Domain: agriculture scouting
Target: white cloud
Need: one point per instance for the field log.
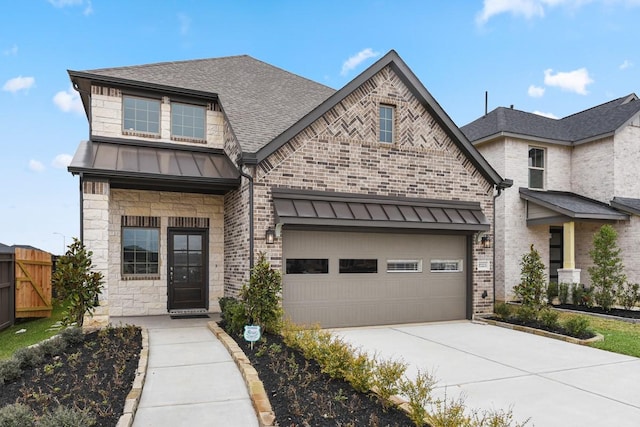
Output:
(571, 81)
(357, 59)
(549, 115)
(68, 101)
(185, 23)
(13, 50)
(526, 8)
(626, 64)
(88, 7)
(36, 166)
(18, 83)
(535, 91)
(88, 10)
(61, 161)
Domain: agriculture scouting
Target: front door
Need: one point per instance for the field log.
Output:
(187, 269)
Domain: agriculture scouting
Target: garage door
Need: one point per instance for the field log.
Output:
(354, 279)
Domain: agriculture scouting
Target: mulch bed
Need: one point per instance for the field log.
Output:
(96, 374)
(617, 312)
(301, 395)
(539, 325)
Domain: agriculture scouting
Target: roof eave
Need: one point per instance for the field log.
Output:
(504, 134)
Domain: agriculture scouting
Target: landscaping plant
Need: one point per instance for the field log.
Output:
(563, 293)
(607, 274)
(628, 295)
(261, 297)
(76, 284)
(531, 289)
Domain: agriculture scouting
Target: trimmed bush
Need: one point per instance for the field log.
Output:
(72, 336)
(234, 315)
(386, 379)
(53, 346)
(526, 314)
(549, 318)
(628, 295)
(503, 310)
(9, 370)
(531, 289)
(29, 357)
(577, 326)
(66, 417)
(262, 295)
(553, 291)
(16, 415)
(563, 293)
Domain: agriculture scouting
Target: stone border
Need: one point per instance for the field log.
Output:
(256, 390)
(133, 398)
(540, 332)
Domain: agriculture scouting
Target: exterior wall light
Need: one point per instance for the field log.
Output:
(486, 241)
(270, 236)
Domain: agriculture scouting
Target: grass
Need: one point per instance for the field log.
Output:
(37, 330)
(619, 337)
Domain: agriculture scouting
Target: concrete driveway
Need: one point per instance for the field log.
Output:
(552, 382)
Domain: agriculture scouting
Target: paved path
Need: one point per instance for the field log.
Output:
(191, 379)
(553, 382)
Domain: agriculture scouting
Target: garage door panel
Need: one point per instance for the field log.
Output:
(334, 299)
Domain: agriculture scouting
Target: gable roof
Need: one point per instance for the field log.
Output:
(393, 60)
(596, 122)
(261, 101)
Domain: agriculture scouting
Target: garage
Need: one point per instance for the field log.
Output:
(354, 279)
(351, 260)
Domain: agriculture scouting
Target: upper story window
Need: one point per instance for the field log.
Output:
(141, 115)
(386, 123)
(536, 167)
(187, 121)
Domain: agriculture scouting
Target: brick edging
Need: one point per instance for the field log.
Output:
(133, 398)
(540, 332)
(256, 390)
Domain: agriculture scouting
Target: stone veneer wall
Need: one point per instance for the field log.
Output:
(103, 209)
(340, 152)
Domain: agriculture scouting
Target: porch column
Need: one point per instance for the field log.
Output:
(569, 273)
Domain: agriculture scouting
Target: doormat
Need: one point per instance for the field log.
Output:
(189, 316)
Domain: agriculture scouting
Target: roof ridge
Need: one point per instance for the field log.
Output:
(163, 63)
(613, 101)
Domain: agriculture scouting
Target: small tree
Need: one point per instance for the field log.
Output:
(76, 285)
(531, 289)
(608, 271)
(262, 296)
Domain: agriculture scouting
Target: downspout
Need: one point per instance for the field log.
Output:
(504, 184)
(251, 244)
(81, 207)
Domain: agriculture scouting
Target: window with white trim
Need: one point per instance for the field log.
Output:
(387, 113)
(141, 115)
(404, 266)
(536, 167)
(446, 265)
(188, 121)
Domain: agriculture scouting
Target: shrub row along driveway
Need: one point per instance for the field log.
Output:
(553, 382)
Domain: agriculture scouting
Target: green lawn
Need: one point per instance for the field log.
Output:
(619, 337)
(36, 331)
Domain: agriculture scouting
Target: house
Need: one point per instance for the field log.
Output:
(573, 175)
(369, 199)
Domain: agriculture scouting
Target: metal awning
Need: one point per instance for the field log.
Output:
(626, 204)
(317, 208)
(548, 207)
(163, 167)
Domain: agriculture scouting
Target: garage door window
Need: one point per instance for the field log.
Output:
(404, 266)
(358, 266)
(307, 266)
(446, 265)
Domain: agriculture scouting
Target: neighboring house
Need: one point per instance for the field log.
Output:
(369, 199)
(574, 175)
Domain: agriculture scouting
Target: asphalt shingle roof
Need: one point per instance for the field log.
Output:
(599, 120)
(627, 204)
(260, 100)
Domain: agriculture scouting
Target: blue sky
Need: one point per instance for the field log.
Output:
(553, 57)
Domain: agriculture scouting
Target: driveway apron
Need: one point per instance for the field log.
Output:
(550, 381)
(191, 378)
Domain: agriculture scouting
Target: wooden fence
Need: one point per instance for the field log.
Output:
(33, 283)
(7, 290)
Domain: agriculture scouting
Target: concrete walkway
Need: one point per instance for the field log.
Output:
(191, 378)
(553, 382)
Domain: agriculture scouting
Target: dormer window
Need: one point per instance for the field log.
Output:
(141, 115)
(536, 168)
(187, 121)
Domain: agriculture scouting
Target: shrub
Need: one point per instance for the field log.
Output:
(9, 370)
(234, 315)
(526, 314)
(607, 273)
(563, 293)
(16, 415)
(419, 394)
(581, 295)
(448, 413)
(553, 291)
(262, 296)
(28, 357)
(495, 418)
(386, 379)
(577, 326)
(66, 417)
(531, 289)
(360, 372)
(76, 284)
(503, 310)
(549, 318)
(628, 295)
(53, 346)
(72, 336)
